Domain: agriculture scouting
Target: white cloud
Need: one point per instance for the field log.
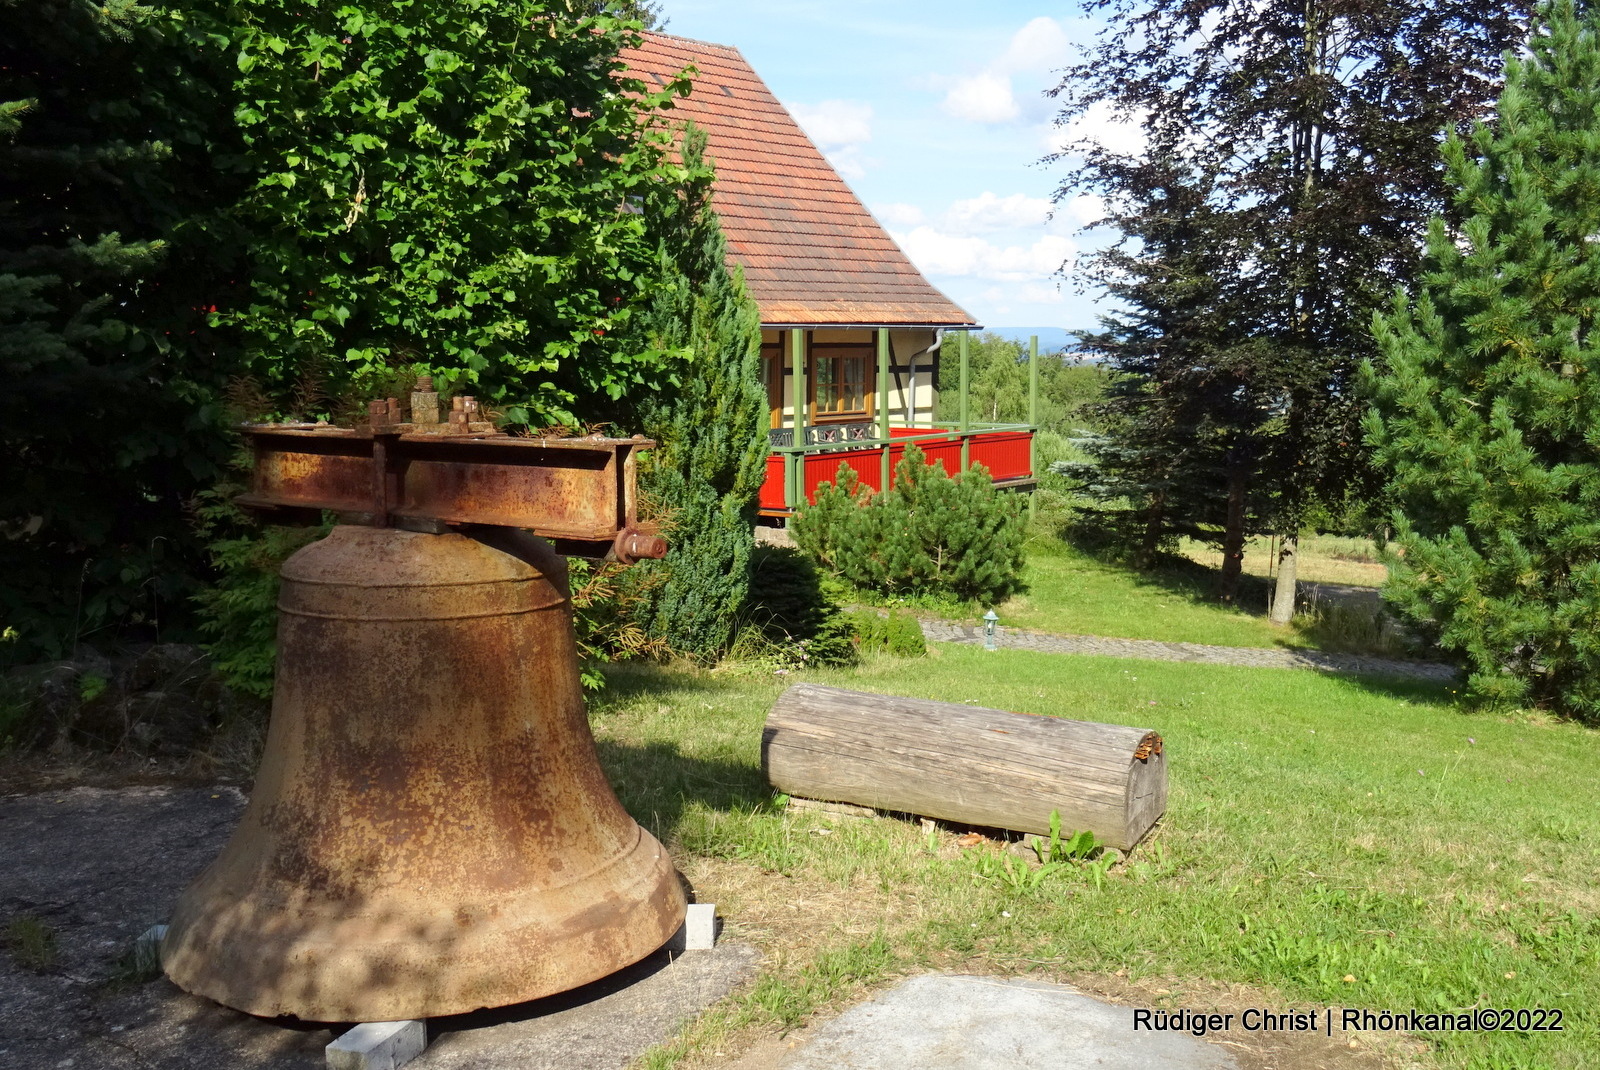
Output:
(987, 96)
(899, 215)
(984, 97)
(849, 161)
(1084, 209)
(1029, 293)
(1102, 125)
(834, 124)
(940, 253)
(839, 128)
(1041, 45)
(987, 212)
(1039, 293)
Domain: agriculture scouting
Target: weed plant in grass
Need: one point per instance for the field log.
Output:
(1328, 841)
(32, 943)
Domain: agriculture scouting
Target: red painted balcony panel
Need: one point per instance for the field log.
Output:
(1003, 453)
(771, 496)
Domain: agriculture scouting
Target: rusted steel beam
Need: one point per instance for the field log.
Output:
(577, 490)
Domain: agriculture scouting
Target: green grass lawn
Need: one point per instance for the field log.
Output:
(1328, 841)
(1072, 592)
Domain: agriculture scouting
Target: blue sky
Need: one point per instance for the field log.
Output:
(934, 112)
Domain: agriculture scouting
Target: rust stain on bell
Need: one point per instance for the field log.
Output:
(430, 830)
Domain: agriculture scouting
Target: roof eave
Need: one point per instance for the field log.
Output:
(897, 326)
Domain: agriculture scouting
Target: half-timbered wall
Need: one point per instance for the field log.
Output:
(842, 375)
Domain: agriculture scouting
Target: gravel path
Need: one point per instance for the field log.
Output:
(942, 631)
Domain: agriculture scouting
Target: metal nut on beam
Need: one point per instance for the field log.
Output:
(634, 546)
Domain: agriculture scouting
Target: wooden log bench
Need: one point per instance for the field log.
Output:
(965, 764)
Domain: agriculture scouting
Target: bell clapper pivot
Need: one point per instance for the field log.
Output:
(430, 831)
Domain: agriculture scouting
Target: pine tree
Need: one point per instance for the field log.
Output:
(1487, 416)
(929, 534)
(711, 450)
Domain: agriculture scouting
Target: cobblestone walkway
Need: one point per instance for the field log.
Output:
(943, 631)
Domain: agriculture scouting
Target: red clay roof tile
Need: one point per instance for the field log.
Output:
(812, 254)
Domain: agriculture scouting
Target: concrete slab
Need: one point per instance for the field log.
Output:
(603, 1026)
(944, 1022)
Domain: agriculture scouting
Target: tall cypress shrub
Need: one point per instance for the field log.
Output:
(1487, 418)
(711, 450)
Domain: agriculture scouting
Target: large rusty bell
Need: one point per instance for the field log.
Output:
(430, 831)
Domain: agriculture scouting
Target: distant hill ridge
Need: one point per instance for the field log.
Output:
(1051, 339)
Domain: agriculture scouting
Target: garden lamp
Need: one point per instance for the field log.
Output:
(989, 622)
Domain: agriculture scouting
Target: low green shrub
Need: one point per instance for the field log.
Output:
(905, 638)
(898, 633)
(789, 617)
(609, 606)
(930, 534)
(16, 720)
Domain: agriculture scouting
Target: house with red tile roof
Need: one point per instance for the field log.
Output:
(852, 333)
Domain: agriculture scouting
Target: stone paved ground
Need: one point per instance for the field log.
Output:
(1152, 650)
(99, 866)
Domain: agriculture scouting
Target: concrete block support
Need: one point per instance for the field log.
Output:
(378, 1046)
(699, 932)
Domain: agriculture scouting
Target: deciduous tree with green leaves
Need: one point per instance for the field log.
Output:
(1488, 415)
(1310, 128)
(477, 190)
(463, 188)
(997, 371)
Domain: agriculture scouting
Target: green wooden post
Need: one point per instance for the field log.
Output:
(1033, 423)
(788, 481)
(797, 354)
(966, 401)
(883, 406)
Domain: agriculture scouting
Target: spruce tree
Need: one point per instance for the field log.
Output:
(1488, 418)
(1186, 414)
(108, 421)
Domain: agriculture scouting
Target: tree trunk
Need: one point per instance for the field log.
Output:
(1152, 528)
(1233, 537)
(1283, 598)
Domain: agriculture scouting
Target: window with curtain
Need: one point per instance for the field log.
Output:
(842, 374)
